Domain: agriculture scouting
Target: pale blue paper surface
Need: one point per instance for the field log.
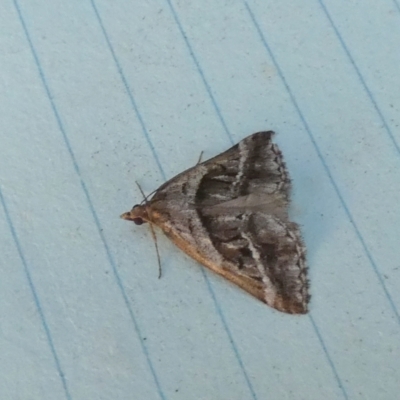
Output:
(95, 95)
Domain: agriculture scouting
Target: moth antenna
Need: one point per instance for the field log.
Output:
(200, 157)
(141, 191)
(153, 233)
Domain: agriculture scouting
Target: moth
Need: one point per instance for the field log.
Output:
(230, 213)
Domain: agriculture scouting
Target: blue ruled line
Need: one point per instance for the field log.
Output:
(90, 205)
(128, 90)
(262, 37)
(156, 157)
(397, 5)
(145, 132)
(35, 298)
(217, 109)
(328, 357)
(200, 71)
(327, 170)
(229, 334)
(360, 77)
(228, 133)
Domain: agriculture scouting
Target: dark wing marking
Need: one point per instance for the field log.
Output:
(253, 166)
(265, 250)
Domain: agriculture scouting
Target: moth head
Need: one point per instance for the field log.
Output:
(138, 214)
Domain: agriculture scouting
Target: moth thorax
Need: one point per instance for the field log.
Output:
(138, 214)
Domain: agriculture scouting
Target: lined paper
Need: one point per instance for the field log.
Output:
(96, 95)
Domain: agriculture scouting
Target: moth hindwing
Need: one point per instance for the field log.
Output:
(230, 213)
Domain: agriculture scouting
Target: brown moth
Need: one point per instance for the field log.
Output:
(230, 213)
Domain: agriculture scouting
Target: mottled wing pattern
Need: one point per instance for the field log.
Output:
(231, 214)
(257, 243)
(254, 165)
(266, 249)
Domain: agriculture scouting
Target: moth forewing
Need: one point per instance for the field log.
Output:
(230, 213)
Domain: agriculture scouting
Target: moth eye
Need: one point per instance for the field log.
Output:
(138, 221)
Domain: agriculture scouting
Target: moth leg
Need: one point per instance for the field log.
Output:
(153, 233)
